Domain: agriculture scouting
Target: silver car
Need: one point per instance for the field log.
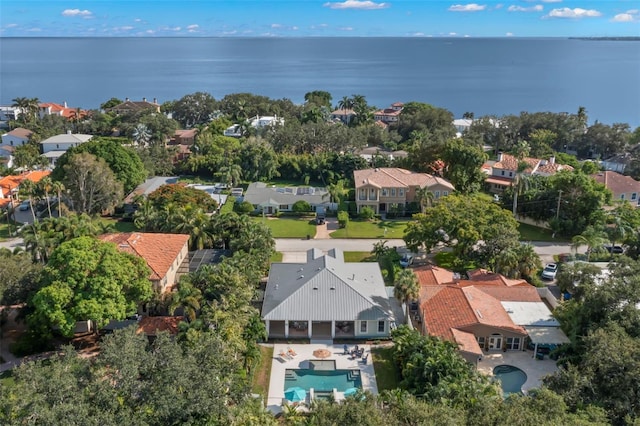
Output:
(549, 272)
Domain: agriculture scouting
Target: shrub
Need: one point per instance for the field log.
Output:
(343, 219)
(367, 213)
(244, 207)
(301, 206)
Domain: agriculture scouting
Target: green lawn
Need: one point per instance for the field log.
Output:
(358, 256)
(4, 229)
(276, 256)
(6, 379)
(534, 233)
(447, 260)
(262, 372)
(119, 225)
(366, 229)
(228, 206)
(289, 228)
(387, 374)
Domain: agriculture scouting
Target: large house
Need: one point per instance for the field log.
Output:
(55, 146)
(385, 188)
(624, 188)
(503, 172)
(10, 185)
(389, 115)
(130, 107)
(272, 199)
(258, 122)
(16, 137)
(326, 298)
(485, 312)
(62, 110)
(164, 254)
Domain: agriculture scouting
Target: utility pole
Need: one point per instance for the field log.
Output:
(558, 208)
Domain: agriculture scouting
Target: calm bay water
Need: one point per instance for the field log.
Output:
(485, 76)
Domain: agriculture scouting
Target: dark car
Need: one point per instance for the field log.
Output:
(614, 249)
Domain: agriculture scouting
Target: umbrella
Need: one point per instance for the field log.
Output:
(295, 394)
(350, 391)
(322, 353)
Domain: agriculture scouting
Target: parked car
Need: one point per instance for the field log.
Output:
(406, 260)
(24, 206)
(614, 249)
(549, 272)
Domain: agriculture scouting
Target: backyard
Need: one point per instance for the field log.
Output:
(387, 374)
(535, 233)
(289, 228)
(262, 372)
(372, 229)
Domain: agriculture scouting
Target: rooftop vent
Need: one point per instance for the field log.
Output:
(301, 276)
(478, 312)
(315, 286)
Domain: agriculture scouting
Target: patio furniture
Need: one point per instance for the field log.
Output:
(291, 352)
(285, 356)
(364, 358)
(346, 350)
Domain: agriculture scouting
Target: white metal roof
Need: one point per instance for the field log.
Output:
(530, 313)
(546, 335)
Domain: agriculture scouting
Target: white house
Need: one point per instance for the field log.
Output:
(16, 137)
(55, 146)
(8, 113)
(271, 199)
(258, 122)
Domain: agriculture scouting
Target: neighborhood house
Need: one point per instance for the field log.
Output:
(55, 146)
(503, 172)
(272, 199)
(326, 298)
(385, 189)
(623, 188)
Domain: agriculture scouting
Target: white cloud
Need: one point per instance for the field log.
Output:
(150, 32)
(319, 27)
(629, 16)
(232, 32)
(137, 20)
(453, 34)
(345, 28)
(11, 25)
(509, 34)
(498, 6)
(471, 7)
(276, 25)
(193, 27)
(77, 12)
(576, 13)
(548, 1)
(294, 28)
(357, 4)
(536, 8)
(34, 30)
(124, 28)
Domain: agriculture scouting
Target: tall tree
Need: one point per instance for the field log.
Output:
(592, 237)
(92, 186)
(406, 286)
(464, 165)
(28, 189)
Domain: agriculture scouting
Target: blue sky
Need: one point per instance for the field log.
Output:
(308, 18)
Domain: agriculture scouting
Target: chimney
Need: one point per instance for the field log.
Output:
(144, 99)
(126, 99)
(552, 160)
(65, 104)
(155, 100)
(500, 156)
(69, 132)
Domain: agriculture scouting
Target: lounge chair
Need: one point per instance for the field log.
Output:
(364, 358)
(346, 350)
(291, 352)
(285, 356)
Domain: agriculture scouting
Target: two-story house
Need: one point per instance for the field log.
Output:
(503, 172)
(388, 188)
(624, 188)
(389, 115)
(55, 146)
(130, 107)
(16, 137)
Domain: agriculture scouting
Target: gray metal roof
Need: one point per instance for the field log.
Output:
(259, 193)
(324, 289)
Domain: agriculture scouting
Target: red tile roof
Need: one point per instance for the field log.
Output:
(158, 250)
(509, 162)
(12, 182)
(433, 275)
(484, 277)
(393, 177)
(151, 326)
(466, 341)
(617, 183)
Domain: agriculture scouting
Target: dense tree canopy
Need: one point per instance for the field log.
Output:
(181, 195)
(86, 279)
(194, 109)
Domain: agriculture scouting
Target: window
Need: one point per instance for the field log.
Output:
(283, 207)
(445, 193)
(363, 326)
(401, 192)
(363, 194)
(393, 192)
(380, 326)
(634, 196)
(436, 194)
(502, 173)
(513, 343)
(480, 341)
(510, 174)
(622, 196)
(385, 192)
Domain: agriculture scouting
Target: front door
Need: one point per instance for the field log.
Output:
(495, 342)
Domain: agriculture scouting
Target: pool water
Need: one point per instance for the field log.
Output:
(511, 378)
(323, 380)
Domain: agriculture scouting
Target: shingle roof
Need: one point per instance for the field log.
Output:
(325, 288)
(617, 183)
(259, 193)
(158, 250)
(67, 138)
(393, 177)
(21, 133)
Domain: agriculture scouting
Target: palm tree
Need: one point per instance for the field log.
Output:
(345, 104)
(618, 224)
(27, 188)
(141, 134)
(406, 286)
(591, 237)
(23, 104)
(45, 186)
(336, 191)
(40, 240)
(425, 198)
(58, 187)
(188, 298)
(231, 174)
(145, 215)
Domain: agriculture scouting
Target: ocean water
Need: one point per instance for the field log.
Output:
(484, 76)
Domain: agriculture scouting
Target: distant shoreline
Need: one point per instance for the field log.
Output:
(606, 38)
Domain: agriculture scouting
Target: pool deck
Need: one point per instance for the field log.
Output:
(301, 361)
(534, 368)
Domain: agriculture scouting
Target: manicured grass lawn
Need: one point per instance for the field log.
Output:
(447, 260)
(262, 372)
(6, 379)
(534, 233)
(387, 375)
(119, 225)
(4, 229)
(358, 256)
(366, 229)
(289, 228)
(276, 256)
(228, 206)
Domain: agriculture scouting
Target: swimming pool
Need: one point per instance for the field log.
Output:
(511, 378)
(323, 380)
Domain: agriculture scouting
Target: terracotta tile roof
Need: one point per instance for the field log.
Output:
(433, 275)
(186, 133)
(343, 112)
(389, 112)
(151, 326)
(466, 341)
(62, 110)
(617, 183)
(393, 177)
(484, 277)
(509, 162)
(397, 104)
(447, 308)
(158, 250)
(12, 182)
(21, 133)
(526, 293)
(550, 168)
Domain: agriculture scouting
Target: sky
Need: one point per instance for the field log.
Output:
(309, 18)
